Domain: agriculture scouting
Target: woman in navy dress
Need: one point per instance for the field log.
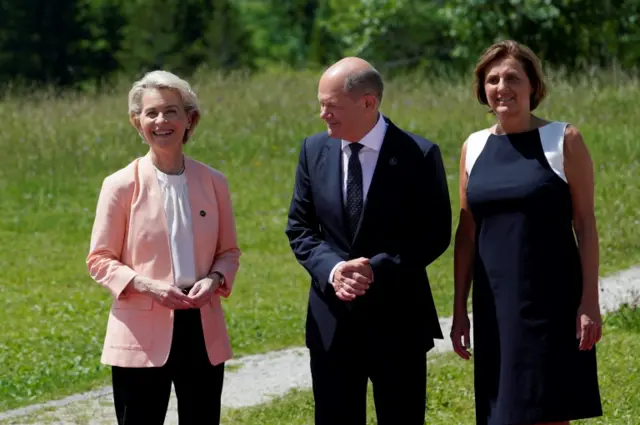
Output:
(527, 239)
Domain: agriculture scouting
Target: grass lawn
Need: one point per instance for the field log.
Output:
(450, 386)
(56, 153)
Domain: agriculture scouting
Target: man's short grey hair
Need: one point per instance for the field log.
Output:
(162, 80)
(368, 81)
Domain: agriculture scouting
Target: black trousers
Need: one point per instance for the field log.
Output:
(141, 395)
(340, 378)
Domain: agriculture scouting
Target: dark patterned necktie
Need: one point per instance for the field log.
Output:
(354, 188)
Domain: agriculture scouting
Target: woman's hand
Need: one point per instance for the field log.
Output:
(201, 293)
(163, 293)
(589, 325)
(461, 335)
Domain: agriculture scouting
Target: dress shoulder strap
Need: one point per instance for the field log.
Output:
(552, 140)
(475, 144)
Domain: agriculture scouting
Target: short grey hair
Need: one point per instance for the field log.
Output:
(162, 80)
(368, 81)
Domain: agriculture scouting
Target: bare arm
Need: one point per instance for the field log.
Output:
(463, 258)
(464, 247)
(580, 177)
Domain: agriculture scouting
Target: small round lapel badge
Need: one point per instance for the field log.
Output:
(393, 161)
(202, 213)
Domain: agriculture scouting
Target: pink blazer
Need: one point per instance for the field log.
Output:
(130, 237)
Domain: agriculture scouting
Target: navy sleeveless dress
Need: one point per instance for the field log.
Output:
(527, 283)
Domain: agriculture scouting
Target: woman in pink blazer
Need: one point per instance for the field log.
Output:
(164, 244)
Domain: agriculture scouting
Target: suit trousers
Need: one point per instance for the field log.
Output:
(341, 375)
(141, 395)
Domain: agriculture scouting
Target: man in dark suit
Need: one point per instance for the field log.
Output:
(370, 211)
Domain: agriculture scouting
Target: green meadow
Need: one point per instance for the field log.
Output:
(450, 386)
(57, 151)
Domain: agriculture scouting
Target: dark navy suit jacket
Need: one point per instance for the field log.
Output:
(405, 226)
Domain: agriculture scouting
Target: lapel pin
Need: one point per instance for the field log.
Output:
(202, 213)
(393, 161)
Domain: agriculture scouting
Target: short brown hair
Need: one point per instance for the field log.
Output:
(367, 81)
(522, 54)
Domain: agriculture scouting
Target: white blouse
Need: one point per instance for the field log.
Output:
(178, 212)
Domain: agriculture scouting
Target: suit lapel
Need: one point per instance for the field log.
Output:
(331, 175)
(199, 209)
(154, 209)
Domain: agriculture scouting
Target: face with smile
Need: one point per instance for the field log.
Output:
(342, 112)
(348, 115)
(163, 121)
(508, 88)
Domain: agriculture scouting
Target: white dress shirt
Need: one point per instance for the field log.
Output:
(368, 156)
(178, 212)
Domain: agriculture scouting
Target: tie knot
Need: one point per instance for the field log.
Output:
(355, 147)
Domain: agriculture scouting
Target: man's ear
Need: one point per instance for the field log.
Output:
(370, 101)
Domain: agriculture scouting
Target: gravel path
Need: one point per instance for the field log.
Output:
(256, 379)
